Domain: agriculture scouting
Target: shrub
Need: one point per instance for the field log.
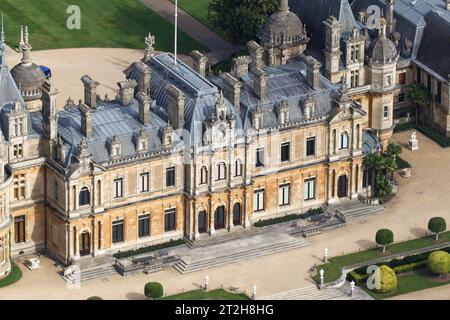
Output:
(358, 278)
(154, 290)
(388, 280)
(410, 267)
(402, 164)
(436, 225)
(384, 237)
(94, 298)
(130, 253)
(431, 133)
(268, 222)
(439, 262)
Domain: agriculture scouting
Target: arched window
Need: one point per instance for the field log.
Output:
(238, 168)
(221, 171)
(85, 196)
(203, 175)
(344, 140)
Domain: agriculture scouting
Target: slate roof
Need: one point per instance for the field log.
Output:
(8, 89)
(109, 119)
(285, 83)
(314, 12)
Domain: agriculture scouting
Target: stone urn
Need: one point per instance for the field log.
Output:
(405, 173)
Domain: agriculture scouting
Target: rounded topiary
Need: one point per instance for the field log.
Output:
(153, 290)
(384, 237)
(437, 225)
(94, 298)
(438, 262)
(388, 280)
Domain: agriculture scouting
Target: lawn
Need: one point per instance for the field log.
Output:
(332, 269)
(107, 24)
(218, 294)
(197, 8)
(410, 282)
(13, 277)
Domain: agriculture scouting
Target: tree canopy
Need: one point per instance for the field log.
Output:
(384, 237)
(241, 20)
(436, 225)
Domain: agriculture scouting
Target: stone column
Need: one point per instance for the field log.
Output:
(229, 222)
(70, 243)
(195, 214)
(93, 236)
(246, 210)
(212, 230)
(100, 232)
(329, 184)
(76, 242)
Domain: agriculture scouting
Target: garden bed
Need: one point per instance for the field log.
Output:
(218, 294)
(12, 277)
(165, 245)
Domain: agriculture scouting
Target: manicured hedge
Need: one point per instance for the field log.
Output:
(311, 212)
(268, 222)
(434, 135)
(130, 253)
(404, 127)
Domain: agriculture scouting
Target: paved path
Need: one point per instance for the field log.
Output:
(220, 48)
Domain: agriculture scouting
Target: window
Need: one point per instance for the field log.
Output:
(203, 175)
(344, 140)
(438, 98)
(19, 229)
(386, 112)
(117, 231)
(402, 78)
(419, 76)
(258, 201)
(18, 151)
(428, 81)
(310, 189)
(238, 168)
(144, 225)
(260, 157)
(18, 127)
(118, 188)
(145, 178)
(56, 190)
(169, 220)
(354, 78)
(221, 171)
(310, 146)
(401, 98)
(2, 250)
(285, 151)
(84, 198)
(170, 177)
(19, 187)
(388, 80)
(283, 196)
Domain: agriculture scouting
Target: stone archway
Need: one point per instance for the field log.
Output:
(342, 186)
(219, 218)
(237, 214)
(85, 243)
(202, 221)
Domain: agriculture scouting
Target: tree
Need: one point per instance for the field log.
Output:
(437, 225)
(241, 20)
(438, 262)
(384, 237)
(388, 280)
(394, 150)
(94, 298)
(421, 96)
(153, 290)
(381, 165)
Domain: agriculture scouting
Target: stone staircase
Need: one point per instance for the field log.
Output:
(354, 209)
(309, 293)
(92, 268)
(222, 236)
(187, 266)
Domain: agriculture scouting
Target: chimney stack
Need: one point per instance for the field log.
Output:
(90, 91)
(256, 53)
(313, 72)
(240, 66)
(126, 91)
(144, 107)
(86, 120)
(143, 78)
(175, 106)
(232, 90)
(447, 4)
(390, 17)
(260, 84)
(199, 62)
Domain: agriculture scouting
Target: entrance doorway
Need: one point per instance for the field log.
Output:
(85, 244)
(342, 186)
(202, 228)
(237, 214)
(219, 218)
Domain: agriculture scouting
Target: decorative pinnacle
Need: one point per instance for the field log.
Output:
(2, 35)
(284, 5)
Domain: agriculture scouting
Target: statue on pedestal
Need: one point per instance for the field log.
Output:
(413, 142)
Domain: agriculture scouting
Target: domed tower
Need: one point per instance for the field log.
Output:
(28, 76)
(382, 68)
(5, 217)
(283, 36)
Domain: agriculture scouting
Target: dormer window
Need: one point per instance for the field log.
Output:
(283, 113)
(142, 144)
(18, 127)
(116, 147)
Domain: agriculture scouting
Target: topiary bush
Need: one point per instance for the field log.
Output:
(388, 280)
(153, 290)
(95, 298)
(438, 263)
(384, 237)
(437, 225)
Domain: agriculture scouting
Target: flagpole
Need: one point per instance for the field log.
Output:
(176, 30)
